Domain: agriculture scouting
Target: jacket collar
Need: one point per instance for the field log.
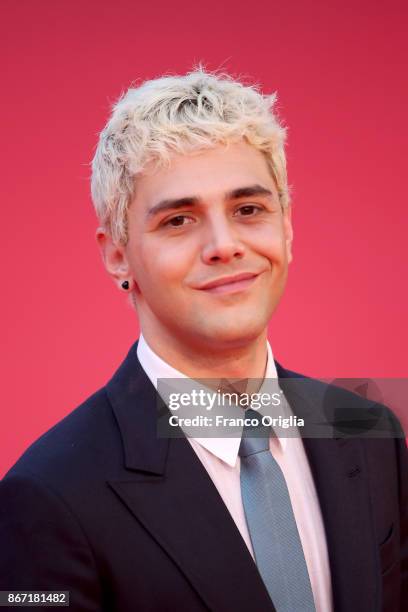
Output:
(135, 403)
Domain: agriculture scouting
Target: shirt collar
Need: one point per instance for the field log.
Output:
(155, 367)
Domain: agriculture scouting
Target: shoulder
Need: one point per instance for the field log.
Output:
(357, 416)
(74, 447)
(345, 400)
(86, 446)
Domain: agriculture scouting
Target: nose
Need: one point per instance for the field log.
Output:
(222, 243)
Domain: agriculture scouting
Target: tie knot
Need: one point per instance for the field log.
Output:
(255, 437)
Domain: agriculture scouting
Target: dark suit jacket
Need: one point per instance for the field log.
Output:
(127, 521)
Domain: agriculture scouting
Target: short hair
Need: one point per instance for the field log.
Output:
(179, 114)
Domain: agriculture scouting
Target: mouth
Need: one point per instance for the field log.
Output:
(231, 284)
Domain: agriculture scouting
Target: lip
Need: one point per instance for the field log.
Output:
(230, 284)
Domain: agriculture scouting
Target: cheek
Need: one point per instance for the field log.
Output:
(164, 265)
(270, 245)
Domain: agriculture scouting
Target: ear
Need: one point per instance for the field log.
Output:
(114, 258)
(288, 230)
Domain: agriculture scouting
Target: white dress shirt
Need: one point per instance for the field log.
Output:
(220, 458)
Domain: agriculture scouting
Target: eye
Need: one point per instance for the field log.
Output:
(249, 210)
(177, 221)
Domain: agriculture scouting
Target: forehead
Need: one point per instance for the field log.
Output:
(206, 174)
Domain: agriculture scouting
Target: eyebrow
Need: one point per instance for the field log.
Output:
(192, 201)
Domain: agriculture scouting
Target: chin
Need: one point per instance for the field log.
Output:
(234, 333)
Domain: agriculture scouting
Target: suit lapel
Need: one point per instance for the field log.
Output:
(341, 480)
(170, 493)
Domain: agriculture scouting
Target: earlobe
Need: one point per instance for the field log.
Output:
(114, 258)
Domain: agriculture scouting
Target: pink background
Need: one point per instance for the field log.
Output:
(340, 70)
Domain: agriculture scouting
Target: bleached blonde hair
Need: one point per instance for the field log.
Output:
(179, 114)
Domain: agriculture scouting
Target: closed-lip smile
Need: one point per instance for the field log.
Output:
(229, 280)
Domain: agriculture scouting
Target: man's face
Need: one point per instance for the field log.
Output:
(209, 218)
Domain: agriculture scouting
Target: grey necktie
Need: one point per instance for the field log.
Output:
(271, 523)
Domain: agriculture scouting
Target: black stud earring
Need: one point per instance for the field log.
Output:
(125, 285)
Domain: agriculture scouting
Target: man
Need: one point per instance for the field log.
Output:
(190, 187)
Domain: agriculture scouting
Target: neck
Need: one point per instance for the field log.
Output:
(244, 359)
